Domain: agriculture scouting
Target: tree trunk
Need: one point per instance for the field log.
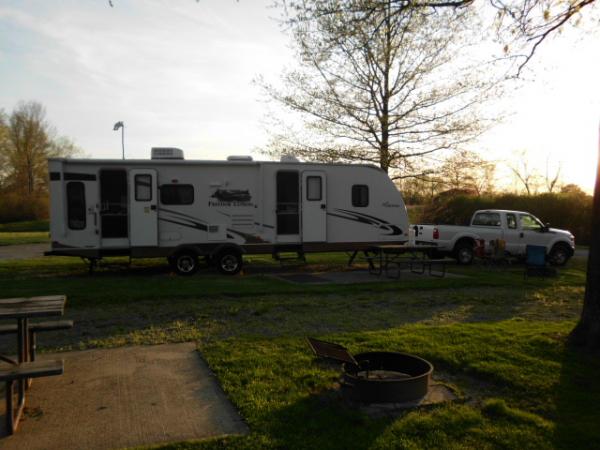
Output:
(587, 332)
(384, 152)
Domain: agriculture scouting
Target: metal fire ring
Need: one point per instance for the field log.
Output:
(405, 377)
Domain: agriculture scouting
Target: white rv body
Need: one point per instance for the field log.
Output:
(157, 207)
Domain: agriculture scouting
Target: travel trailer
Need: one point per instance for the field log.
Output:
(220, 210)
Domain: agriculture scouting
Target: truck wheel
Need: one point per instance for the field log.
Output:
(559, 255)
(464, 253)
(228, 261)
(184, 263)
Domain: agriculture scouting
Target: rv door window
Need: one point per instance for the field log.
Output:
(76, 205)
(177, 194)
(143, 188)
(360, 195)
(313, 188)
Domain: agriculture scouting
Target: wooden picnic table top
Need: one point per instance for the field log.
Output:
(25, 307)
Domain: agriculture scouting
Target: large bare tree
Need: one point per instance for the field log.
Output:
(523, 25)
(388, 87)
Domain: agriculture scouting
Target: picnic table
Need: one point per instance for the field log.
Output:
(382, 258)
(22, 309)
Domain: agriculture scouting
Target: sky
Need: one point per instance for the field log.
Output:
(180, 74)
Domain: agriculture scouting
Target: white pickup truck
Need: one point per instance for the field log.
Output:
(516, 228)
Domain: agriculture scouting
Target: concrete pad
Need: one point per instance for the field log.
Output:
(125, 397)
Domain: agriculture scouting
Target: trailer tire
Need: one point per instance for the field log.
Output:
(228, 261)
(464, 253)
(184, 262)
(559, 255)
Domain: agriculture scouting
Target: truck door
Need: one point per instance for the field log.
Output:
(532, 231)
(143, 213)
(513, 235)
(314, 207)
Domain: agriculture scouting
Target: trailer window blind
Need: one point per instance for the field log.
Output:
(313, 188)
(177, 194)
(76, 205)
(360, 195)
(143, 188)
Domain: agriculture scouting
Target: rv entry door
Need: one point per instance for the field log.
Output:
(314, 207)
(143, 212)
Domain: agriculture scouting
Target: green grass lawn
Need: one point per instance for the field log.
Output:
(23, 237)
(31, 232)
(496, 338)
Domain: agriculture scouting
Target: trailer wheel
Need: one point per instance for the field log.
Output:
(464, 253)
(184, 263)
(228, 261)
(559, 255)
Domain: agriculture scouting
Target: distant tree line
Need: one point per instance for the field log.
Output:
(27, 140)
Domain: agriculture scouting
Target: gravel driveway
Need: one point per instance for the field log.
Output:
(25, 251)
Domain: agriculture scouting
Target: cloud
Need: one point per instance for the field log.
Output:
(177, 72)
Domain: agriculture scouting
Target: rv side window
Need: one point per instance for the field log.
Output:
(143, 188)
(177, 194)
(313, 188)
(76, 205)
(360, 195)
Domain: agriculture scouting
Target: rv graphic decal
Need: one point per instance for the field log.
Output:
(182, 219)
(367, 219)
(248, 238)
(185, 220)
(231, 197)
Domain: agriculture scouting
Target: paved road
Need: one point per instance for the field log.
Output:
(581, 252)
(25, 251)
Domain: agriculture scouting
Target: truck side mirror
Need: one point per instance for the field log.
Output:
(546, 227)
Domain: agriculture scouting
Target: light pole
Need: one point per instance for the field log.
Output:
(121, 125)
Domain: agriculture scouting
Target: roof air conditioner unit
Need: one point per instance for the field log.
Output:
(167, 153)
(239, 158)
(289, 159)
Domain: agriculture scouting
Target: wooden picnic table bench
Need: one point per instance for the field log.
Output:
(25, 368)
(382, 257)
(20, 372)
(418, 266)
(33, 329)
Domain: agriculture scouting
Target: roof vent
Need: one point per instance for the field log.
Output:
(167, 153)
(289, 159)
(239, 158)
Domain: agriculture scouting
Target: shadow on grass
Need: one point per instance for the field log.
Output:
(321, 421)
(577, 399)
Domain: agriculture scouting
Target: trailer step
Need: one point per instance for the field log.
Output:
(289, 257)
